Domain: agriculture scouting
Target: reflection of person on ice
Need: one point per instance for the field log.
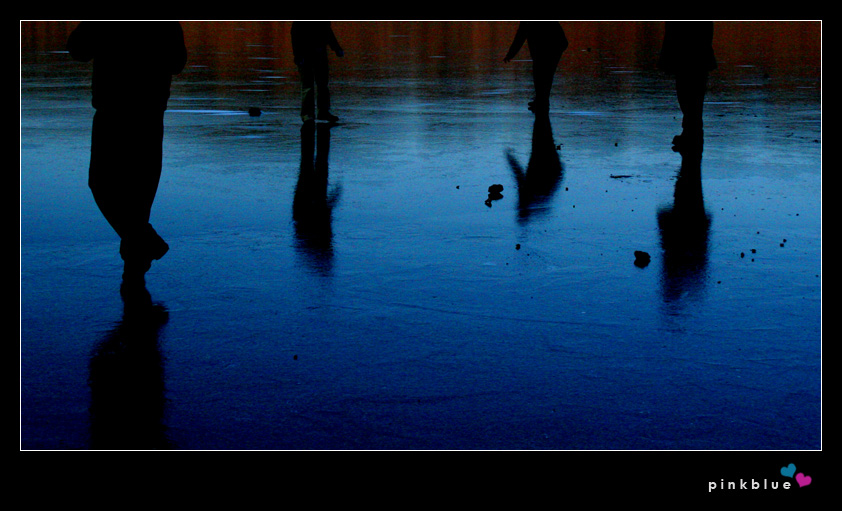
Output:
(133, 65)
(546, 41)
(687, 53)
(310, 40)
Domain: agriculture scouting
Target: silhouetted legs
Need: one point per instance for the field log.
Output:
(315, 94)
(543, 73)
(124, 173)
(691, 88)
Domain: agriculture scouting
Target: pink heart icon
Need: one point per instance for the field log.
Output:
(803, 480)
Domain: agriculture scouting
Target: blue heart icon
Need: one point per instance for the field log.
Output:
(788, 471)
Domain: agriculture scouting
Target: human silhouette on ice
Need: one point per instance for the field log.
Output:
(687, 53)
(310, 40)
(546, 41)
(133, 65)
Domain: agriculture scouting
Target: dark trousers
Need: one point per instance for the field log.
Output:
(690, 87)
(315, 95)
(543, 74)
(126, 155)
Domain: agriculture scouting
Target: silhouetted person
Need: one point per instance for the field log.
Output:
(546, 41)
(687, 53)
(133, 65)
(543, 174)
(684, 228)
(310, 40)
(312, 203)
(126, 380)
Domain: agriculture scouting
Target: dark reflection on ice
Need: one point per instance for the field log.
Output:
(313, 203)
(126, 379)
(684, 228)
(544, 172)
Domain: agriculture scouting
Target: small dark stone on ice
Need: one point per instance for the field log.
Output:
(494, 194)
(517, 247)
(641, 259)
(254, 111)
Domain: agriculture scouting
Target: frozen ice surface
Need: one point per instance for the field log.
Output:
(430, 319)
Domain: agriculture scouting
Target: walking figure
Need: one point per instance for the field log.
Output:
(546, 41)
(133, 65)
(687, 53)
(310, 40)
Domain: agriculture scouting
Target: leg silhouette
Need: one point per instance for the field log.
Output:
(546, 41)
(688, 54)
(124, 173)
(310, 40)
(133, 65)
